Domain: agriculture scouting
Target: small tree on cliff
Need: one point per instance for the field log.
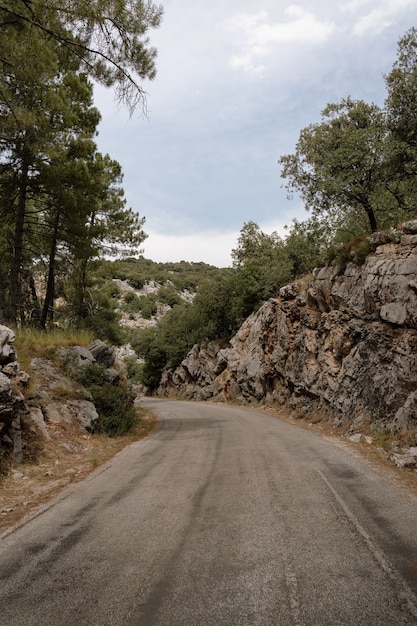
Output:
(340, 164)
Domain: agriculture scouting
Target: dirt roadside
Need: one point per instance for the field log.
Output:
(67, 457)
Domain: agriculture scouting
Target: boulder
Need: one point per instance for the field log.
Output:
(102, 353)
(111, 375)
(403, 460)
(7, 350)
(78, 356)
(12, 402)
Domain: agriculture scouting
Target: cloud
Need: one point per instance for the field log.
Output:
(259, 38)
(205, 161)
(374, 21)
(210, 247)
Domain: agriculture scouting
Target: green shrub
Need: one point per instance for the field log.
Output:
(168, 295)
(134, 369)
(136, 282)
(131, 302)
(117, 415)
(114, 403)
(148, 306)
(355, 250)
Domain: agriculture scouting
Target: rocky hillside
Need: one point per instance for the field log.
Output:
(343, 342)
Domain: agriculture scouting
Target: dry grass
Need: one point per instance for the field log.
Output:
(31, 342)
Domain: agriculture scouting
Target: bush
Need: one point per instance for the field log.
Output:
(168, 295)
(148, 306)
(114, 404)
(355, 250)
(136, 283)
(132, 303)
(134, 369)
(115, 408)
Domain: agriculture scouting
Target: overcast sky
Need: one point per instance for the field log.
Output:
(237, 80)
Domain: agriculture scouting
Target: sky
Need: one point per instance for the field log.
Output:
(236, 83)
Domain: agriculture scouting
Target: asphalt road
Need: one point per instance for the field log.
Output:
(223, 516)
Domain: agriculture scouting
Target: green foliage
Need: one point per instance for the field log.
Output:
(263, 266)
(107, 39)
(131, 302)
(99, 315)
(168, 295)
(61, 201)
(148, 306)
(360, 160)
(115, 408)
(154, 365)
(340, 163)
(306, 245)
(137, 271)
(134, 369)
(401, 106)
(88, 375)
(355, 250)
(114, 403)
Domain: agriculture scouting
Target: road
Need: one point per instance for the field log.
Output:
(223, 516)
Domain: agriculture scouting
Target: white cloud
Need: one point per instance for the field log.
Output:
(210, 247)
(258, 38)
(354, 5)
(374, 21)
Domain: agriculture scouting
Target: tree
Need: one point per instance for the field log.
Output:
(106, 38)
(341, 163)
(27, 99)
(262, 266)
(401, 106)
(105, 227)
(306, 244)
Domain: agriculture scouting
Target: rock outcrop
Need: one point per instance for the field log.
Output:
(12, 405)
(55, 395)
(343, 340)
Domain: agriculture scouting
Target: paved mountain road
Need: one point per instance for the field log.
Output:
(223, 516)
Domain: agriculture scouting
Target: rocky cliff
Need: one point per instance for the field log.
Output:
(54, 396)
(343, 341)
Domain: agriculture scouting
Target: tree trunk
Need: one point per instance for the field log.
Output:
(16, 262)
(50, 285)
(3, 315)
(82, 308)
(371, 216)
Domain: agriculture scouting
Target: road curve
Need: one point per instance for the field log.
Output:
(223, 516)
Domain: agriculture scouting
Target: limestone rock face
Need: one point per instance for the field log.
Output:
(59, 398)
(102, 353)
(12, 405)
(345, 340)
